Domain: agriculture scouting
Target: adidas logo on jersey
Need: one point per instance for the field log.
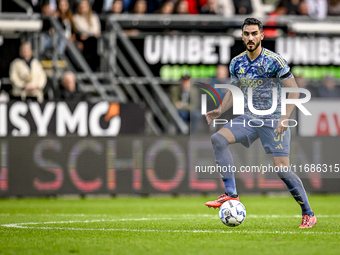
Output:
(279, 146)
(241, 71)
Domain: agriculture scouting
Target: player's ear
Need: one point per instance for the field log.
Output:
(262, 36)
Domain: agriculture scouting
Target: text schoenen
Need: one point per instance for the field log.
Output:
(308, 221)
(220, 200)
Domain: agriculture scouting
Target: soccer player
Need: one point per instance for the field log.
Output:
(262, 70)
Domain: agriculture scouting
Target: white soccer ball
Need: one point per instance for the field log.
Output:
(232, 213)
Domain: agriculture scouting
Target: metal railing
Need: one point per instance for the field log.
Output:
(87, 71)
(304, 24)
(161, 106)
(26, 6)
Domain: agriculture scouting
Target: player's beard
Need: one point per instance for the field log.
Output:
(255, 46)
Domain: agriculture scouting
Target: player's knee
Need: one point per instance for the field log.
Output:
(281, 161)
(281, 165)
(219, 141)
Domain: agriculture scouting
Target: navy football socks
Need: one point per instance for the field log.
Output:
(224, 159)
(295, 187)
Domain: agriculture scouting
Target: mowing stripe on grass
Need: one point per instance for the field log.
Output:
(177, 231)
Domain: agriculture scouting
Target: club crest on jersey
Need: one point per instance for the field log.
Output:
(260, 70)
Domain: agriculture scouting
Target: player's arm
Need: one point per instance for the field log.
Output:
(288, 83)
(227, 103)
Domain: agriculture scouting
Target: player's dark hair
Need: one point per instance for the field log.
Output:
(252, 21)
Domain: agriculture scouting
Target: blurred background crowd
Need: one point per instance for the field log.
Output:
(66, 9)
(82, 24)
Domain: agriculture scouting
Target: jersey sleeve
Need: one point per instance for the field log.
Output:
(233, 78)
(282, 68)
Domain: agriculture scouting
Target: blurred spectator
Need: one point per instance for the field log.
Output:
(154, 5)
(317, 9)
(334, 7)
(186, 101)
(243, 6)
(226, 7)
(303, 8)
(104, 6)
(292, 6)
(182, 7)
(107, 5)
(27, 76)
(86, 22)
(47, 32)
(52, 3)
(117, 7)
(328, 88)
(221, 77)
(222, 74)
(221, 7)
(302, 83)
(260, 9)
(168, 7)
(280, 10)
(87, 26)
(210, 7)
(65, 16)
(289, 7)
(194, 6)
(139, 7)
(68, 89)
(126, 4)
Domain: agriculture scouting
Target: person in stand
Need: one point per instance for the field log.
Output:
(88, 30)
(328, 89)
(68, 89)
(27, 76)
(185, 100)
(65, 17)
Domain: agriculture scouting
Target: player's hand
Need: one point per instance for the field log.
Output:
(280, 128)
(210, 116)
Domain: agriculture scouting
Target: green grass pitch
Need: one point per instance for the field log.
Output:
(165, 225)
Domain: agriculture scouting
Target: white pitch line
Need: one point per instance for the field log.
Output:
(152, 217)
(26, 226)
(181, 231)
(14, 225)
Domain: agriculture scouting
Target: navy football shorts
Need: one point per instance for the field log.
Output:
(246, 130)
